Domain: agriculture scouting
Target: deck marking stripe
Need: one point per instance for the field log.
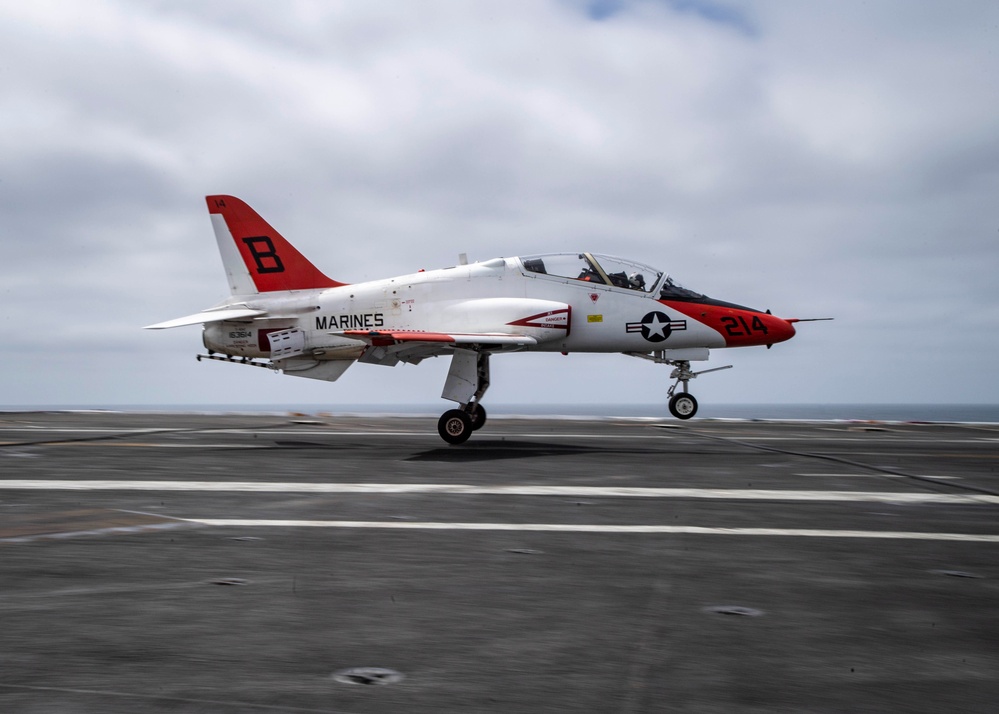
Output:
(234, 704)
(580, 528)
(835, 475)
(519, 490)
(331, 431)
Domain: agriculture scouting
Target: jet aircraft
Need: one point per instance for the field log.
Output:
(284, 314)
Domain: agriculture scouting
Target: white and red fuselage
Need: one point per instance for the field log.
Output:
(285, 314)
(485, 301)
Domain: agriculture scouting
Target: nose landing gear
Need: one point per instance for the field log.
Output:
(682, 404)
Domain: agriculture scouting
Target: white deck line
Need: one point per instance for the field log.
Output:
(579, 528)
(514, 490)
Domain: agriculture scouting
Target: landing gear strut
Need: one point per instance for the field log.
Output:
(467, 381)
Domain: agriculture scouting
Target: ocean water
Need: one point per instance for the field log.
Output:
(809, 412)
(974, 413)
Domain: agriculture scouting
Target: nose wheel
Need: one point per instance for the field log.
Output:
(682, 405)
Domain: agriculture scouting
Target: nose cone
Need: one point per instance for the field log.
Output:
(779, 329)
(738, 325)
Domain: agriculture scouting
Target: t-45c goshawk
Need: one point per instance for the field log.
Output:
(283, 313)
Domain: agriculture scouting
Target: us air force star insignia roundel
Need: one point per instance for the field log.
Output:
(656, 326)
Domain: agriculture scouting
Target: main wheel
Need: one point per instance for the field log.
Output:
(683, 405)
(455, 426)
(477, 413)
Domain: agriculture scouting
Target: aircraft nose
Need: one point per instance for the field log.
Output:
(779, 329)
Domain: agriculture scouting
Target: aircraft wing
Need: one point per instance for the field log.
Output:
(389, 347)
(528, 320)
(206, 316)
(387, 338)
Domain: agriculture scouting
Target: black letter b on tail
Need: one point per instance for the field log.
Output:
(264, 255)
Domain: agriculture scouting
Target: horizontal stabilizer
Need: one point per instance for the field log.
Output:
(207, 316)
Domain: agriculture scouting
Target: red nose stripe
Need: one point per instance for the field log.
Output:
(740, 328)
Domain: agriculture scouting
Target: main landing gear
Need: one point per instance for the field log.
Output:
(467, 381)
(456, 425)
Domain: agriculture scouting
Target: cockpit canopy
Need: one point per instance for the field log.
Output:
(601, 269)
(608, 270)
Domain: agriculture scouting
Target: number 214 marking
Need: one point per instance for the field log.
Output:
(739, 327)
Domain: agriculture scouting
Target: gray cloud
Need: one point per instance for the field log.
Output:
(819, 159)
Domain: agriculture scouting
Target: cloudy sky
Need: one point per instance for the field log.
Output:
(818, 159)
